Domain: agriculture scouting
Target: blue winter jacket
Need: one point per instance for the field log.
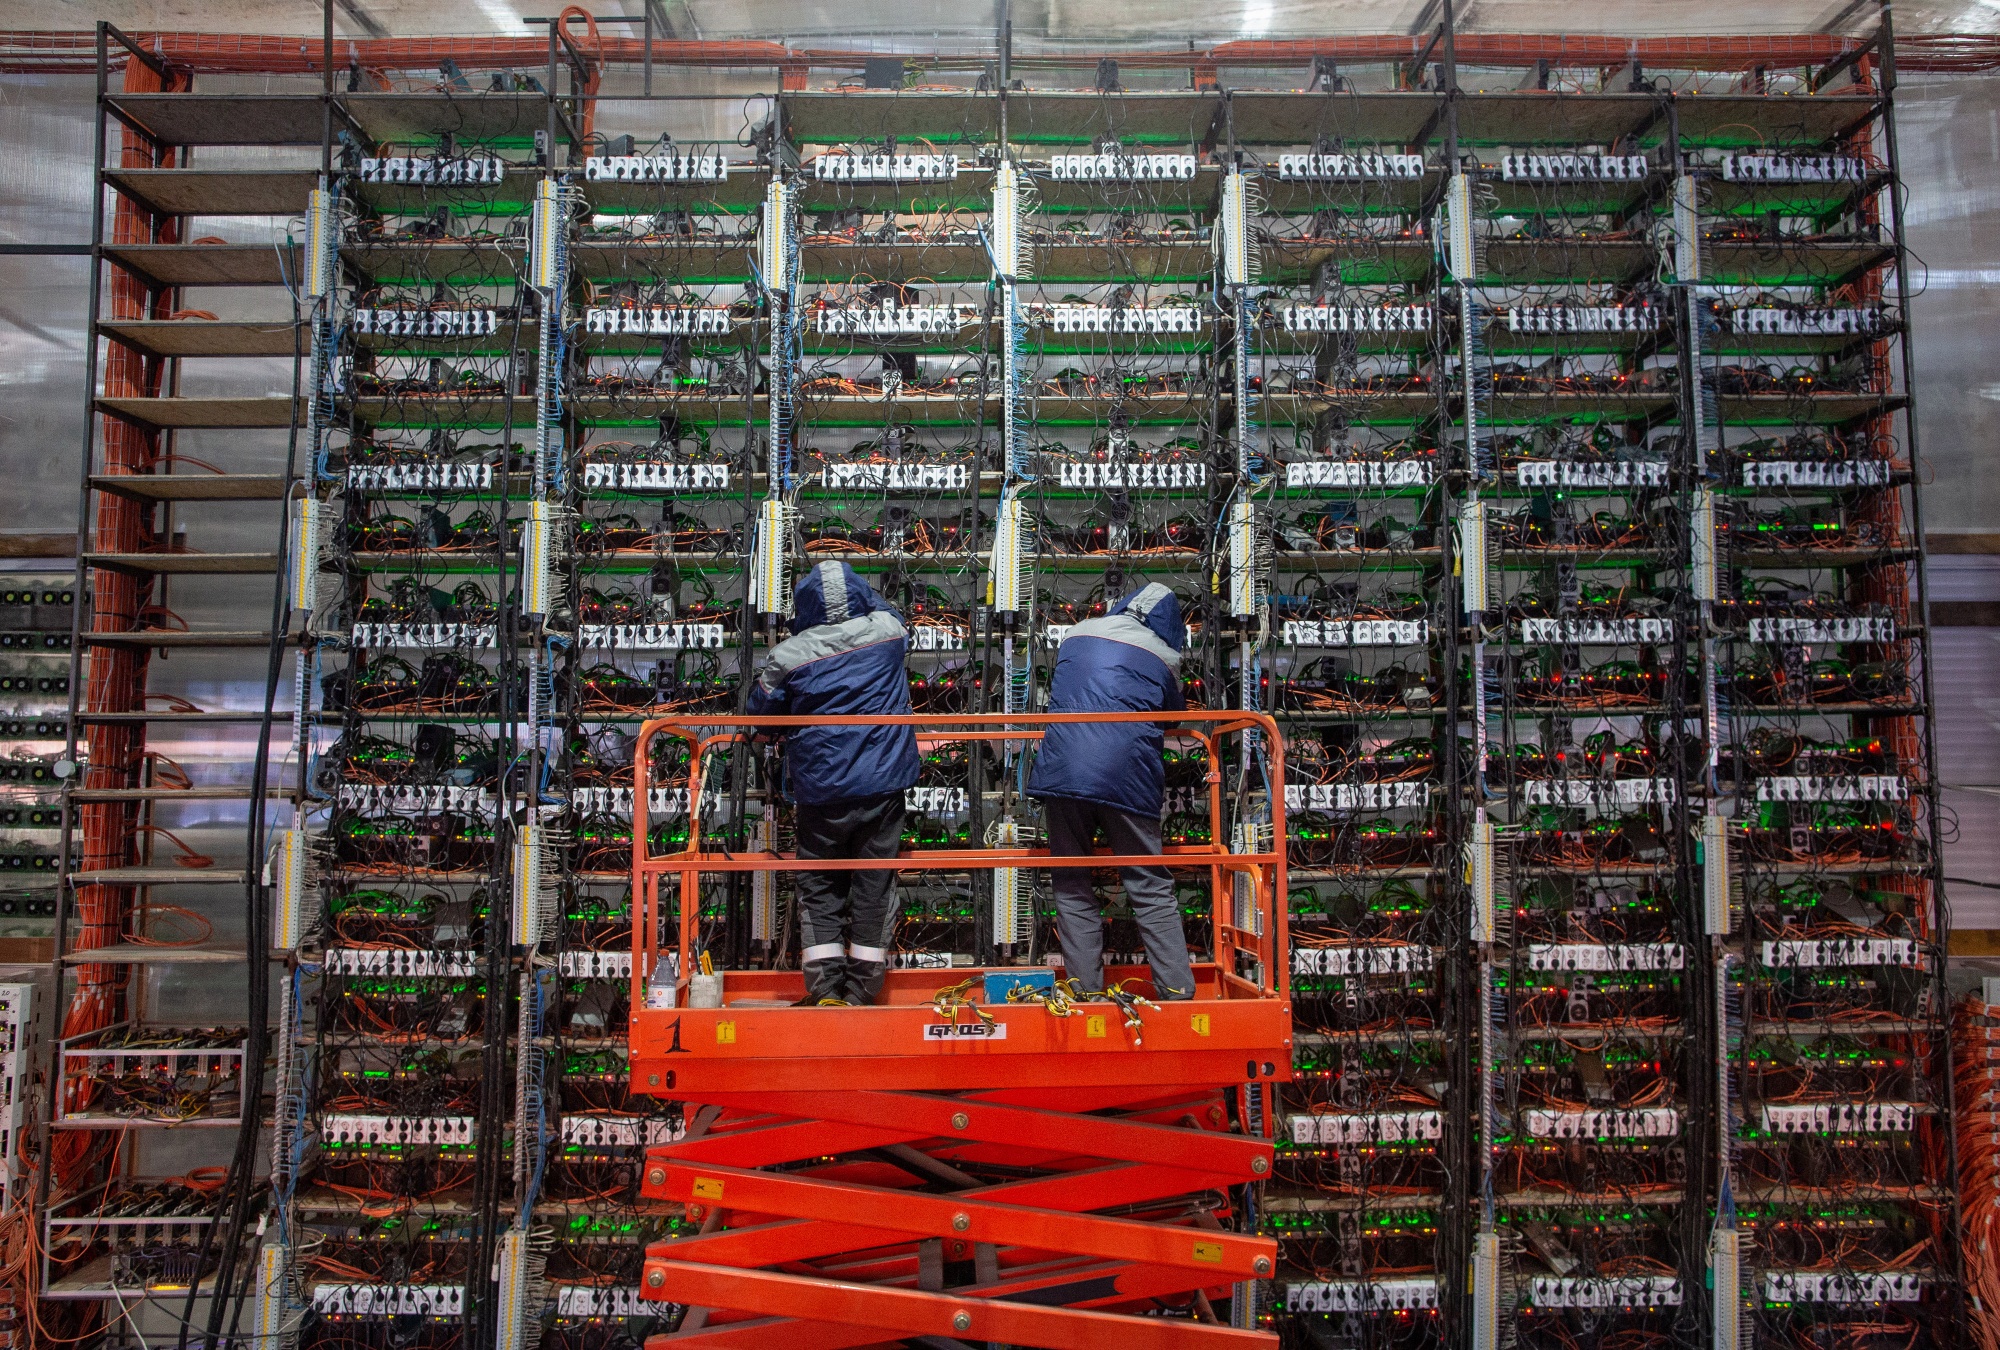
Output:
(1127, 661)
(843, 659)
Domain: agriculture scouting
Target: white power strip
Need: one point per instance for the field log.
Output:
(1115, 319)
(1811, 952)
(657, 476)
(659, 321)
(424, 636)
(1334, 1296)
(478, 171)
(1651, 1122)
(1840, 1118)
(1841, 1286)
(1860, 628)
(1121, 168)
(655, 168)
(1633, 632)
(595, 965)
(1133, 474)
(594, 1131)
(1356, 318)
(892, 320)
(1640, 318)
(1360, 473)
(1337, 167)
(937, 801)
(1573, 168)
(1356, 632)
(652, 637)
(896, 477)
(1367, 1127)
(426, 322)
(1400, 958)
(1356, 796)
(1606, 956)
(1862, 787)
(377, 799)
(598, 1301)
(618, 801)
(884, 168)
(419, 477)
(1842, 473)
(1794, 169)
(1837, 322)
(1562, 473)
(389, 1300)
(344, 1128)
(1617, 1291)
(400, 961)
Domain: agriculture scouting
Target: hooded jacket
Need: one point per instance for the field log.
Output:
(1127, 661)
(844, 659)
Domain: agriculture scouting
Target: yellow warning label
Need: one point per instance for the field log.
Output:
(1094, 1027)
(710, 1188)
(725, 1033)
(1199, 1021)
(1203, 1251)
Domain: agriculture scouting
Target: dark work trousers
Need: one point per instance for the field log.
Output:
(847, 920)
(1072, 824)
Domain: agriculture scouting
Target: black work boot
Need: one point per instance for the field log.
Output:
(825, 979)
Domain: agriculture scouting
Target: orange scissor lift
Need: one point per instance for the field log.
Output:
(866, 1177)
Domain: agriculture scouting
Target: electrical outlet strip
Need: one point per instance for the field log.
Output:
(1121, 167)
(1334, 168)
(1835, 322)
(476, 171)
(937, 801)
(580, 1301)
(1356, 318)
(937, 637)
(1399, 958)
(1573, 168)
(1865, 787)
(652, 637)
(1651, 1122)
(1841, 1286)
(617, 801)
(1839, 1118)
(344, 1128)
(1368, 1127)
(595, 965)
(1566, 473)
(1346, 1296)
(1614, 795)
(595, 1131)
(896, 477)
(657, 476)
(1643, 317)
(893, 320)
(412, 322)
(1603, 632)
(884, 168)
(1804, 632)
(1606, 956)
(1811, 952)
(389, 1300)
(1356, 632)
(419, 477)
(655, 168)
(1185, 319)
(423, 636)
(1356, 796)
(400, 961)
(1794, 169)
(379, 799)
(1786, 473)
(1622, 1291)
(1133, 475)
(1360, 473)
(660, 321)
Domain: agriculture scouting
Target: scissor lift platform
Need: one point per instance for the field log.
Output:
(928, 1172)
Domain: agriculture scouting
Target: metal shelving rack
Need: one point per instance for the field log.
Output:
(1395, 443)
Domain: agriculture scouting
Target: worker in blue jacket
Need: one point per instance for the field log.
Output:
(1109, 778)
(844, 659)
